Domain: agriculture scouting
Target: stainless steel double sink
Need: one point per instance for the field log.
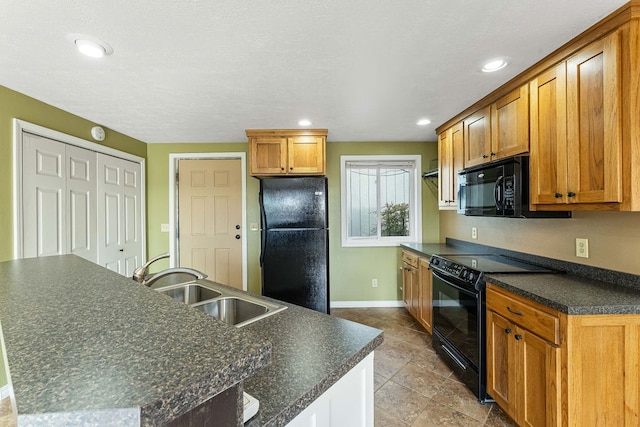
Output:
(232, 307)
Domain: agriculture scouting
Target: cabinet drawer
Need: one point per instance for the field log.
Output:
(410, 259)
(524, 313)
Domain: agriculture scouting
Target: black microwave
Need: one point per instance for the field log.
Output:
(499, 189)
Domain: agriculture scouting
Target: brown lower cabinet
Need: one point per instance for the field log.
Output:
(426, 290)
(416, 287)
(523, 369)
(410, 290)
(546, 368)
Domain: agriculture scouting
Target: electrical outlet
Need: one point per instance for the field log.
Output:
(374, 283)
(582, 248)
(164, 228)
(474, 232)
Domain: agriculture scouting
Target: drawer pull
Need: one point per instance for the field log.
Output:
(518, 337)
(507, 331)
(517, 313)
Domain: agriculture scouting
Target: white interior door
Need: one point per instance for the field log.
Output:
(58, 209)
(210, 218)
(43, 199)
(58, 198)
(119, 214)
(81, 230)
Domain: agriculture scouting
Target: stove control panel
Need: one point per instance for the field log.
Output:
(454, 269)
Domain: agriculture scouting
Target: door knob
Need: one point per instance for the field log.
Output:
(237, 236)
(237, 226)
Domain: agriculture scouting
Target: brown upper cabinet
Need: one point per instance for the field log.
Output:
(292, 152)
(477, 138)
(450, 161)
(576, 135)
(576, 113)
(498, 130)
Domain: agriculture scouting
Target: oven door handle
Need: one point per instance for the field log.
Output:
(453, 357)
(453, 285)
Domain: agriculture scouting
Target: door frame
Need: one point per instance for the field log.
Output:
(174, 245)
(18, 127)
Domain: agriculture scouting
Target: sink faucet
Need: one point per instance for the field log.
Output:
(141, 274)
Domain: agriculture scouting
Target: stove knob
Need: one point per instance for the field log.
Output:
(472, 276)
(435, 261)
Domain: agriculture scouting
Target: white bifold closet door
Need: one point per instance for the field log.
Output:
(77, 201)
(59, 199)
(119, 214)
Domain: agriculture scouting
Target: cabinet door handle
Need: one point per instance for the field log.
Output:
(484, 156)
(492, 154)
(517, 313)
(507, 331)
(557, 195)
(571, 194)
(518, 337)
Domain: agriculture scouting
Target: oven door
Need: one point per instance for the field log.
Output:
(456, 318)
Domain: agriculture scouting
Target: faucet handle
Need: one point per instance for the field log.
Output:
(139, 274)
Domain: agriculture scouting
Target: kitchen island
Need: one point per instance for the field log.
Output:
(86, 345)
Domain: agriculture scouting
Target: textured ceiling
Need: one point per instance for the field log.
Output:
(206, 70)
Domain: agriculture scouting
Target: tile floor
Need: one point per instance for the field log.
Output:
(6, 416)
(413, 387)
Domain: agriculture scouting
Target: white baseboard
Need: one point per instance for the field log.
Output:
(365, 304)
(4, 392)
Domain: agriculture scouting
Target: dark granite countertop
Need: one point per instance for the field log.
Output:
(571, 294)
(311, 351)
(86, 346)
(99, 347)
(428, 249)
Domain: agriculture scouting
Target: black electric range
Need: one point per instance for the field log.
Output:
(459, 319)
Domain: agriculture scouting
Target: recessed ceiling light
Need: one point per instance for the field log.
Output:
(494, 65)
(305, 122)
(423, 122)
(90, 46)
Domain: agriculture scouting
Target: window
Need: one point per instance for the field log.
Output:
(381, 203)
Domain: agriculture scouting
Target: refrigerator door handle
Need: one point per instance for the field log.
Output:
(263, 230)
(264, 245)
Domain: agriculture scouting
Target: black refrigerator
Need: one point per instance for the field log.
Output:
(295, 241)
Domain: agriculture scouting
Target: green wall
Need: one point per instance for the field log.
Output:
(19, 106)
(351, 269)
(158, 201)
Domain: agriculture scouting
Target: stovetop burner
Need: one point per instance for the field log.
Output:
(496, 264)
(469, 270)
